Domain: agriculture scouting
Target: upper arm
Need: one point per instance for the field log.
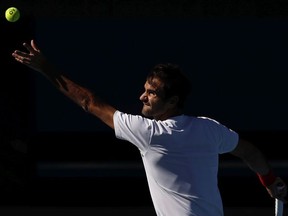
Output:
(245, 150)
(252, 156)
(242, 148)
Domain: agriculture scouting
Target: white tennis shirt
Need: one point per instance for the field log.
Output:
(180, 157)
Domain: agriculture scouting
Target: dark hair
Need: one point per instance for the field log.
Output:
(175, 82)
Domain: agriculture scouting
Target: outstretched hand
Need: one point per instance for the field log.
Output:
(33, 59)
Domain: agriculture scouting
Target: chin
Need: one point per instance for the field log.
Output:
(146, 113)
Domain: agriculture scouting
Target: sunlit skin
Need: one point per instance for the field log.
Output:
(154, 104)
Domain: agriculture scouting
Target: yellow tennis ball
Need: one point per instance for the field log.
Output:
(12, 14)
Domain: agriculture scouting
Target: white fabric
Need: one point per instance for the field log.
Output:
(180, 156)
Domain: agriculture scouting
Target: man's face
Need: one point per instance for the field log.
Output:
(154, 104)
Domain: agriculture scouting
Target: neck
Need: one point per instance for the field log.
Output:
(168, 115)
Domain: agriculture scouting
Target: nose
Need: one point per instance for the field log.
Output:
(143, 97)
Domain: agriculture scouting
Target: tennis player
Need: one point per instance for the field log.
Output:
(180, 153)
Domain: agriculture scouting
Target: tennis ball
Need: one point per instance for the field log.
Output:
(12, 14)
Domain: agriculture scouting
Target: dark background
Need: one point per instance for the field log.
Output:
(234, 52)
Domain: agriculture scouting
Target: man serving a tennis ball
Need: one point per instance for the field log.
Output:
(180, 152)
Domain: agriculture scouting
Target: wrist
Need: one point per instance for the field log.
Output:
(268, 179)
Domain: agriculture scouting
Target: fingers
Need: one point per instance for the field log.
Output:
(279, 190)
(281, 187)
(282, 193)
(21, 59)
(17, 57)
(32, 48)
(20, 55)
(24, 56)
(33, 45)
(29, 47)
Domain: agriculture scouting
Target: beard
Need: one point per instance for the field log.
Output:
(146, 111)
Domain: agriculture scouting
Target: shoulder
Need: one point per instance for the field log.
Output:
(123, 118)
(217, 126)
(123, 115)
(207, 120)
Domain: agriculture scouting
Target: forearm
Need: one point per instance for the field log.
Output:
(82, 96)
(257, 161)
(72, 90)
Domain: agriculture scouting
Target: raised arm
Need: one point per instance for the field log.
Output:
(257, 162)
(79, 94)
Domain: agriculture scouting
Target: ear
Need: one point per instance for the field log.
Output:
(173, 101)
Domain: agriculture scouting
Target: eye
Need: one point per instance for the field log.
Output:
(150, 92)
